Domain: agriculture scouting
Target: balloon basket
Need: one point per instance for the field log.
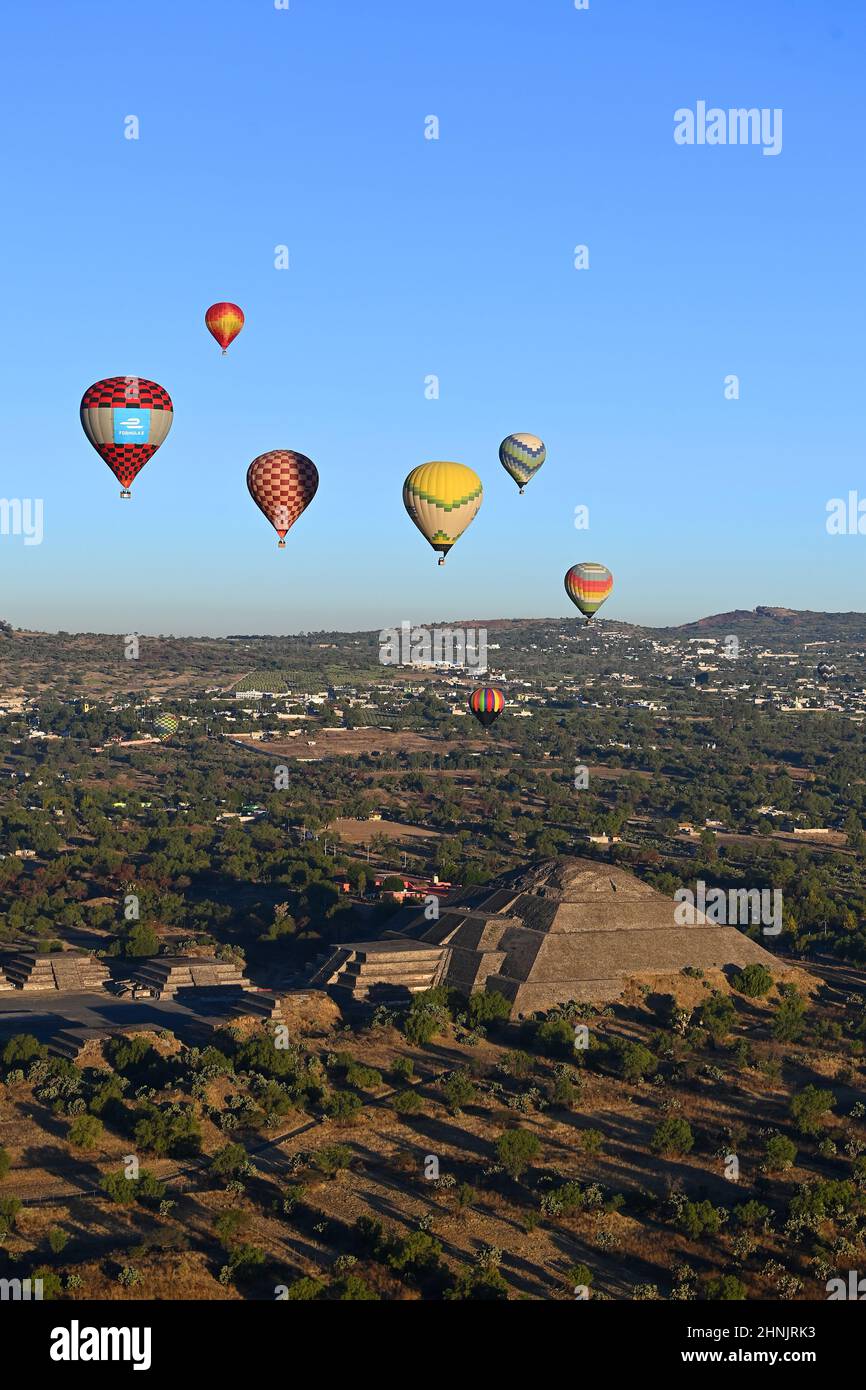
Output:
(281, 545)
(125, 492)
(441, 559)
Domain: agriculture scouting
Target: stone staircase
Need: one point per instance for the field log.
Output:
(374, 972)
(165, 975)
(67, 970)
(258, 1004)
(71, 1042)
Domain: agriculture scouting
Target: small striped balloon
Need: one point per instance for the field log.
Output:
(588, 585)
(166, 724)
(486, 703)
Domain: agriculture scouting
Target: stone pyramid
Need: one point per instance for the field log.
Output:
(569, 929)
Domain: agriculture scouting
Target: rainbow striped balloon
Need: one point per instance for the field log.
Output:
(486, 703)
(588, 585)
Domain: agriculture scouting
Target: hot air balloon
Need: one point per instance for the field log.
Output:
(166, 724)
(126, 419)
(224, 322)
(282, 484)
(588, 585)
(442, 499)
(522, 455)
(486, 703)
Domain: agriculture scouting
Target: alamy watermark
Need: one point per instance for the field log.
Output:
(22, 516)
(736, 126)
(20, 1290)
(734, 907)
(846, 516)
(437, 646)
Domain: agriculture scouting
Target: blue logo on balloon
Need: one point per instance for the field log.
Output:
(131, 426)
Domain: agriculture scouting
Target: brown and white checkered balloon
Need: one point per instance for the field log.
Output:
(282, 483)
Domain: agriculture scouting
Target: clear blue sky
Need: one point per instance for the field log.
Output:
(409, 257)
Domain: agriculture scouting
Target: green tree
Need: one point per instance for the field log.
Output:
(230, 1162)
(754, 981)
(789, 1019)
(672, 1137)
(780, 1154)
(85, 1132)
(726, 1288)
(717, 1015)
(516, 1149)
(459, 1091)
(809, 1108)
(485, 1008)
(636, 1061)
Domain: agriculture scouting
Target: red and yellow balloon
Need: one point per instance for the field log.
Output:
(224, 322)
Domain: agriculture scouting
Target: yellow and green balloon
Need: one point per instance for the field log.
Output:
(442, 499)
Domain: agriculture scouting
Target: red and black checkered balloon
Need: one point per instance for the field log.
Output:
(126, 418)
(282, 484)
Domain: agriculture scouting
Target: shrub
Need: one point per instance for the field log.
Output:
(809, 1108)
(478, 1285)
(563, 1092)
(426, 1016)
(171, 1131)
(366, 1078)
(408, 1103)
(716, 1016)
(305, 1290)
(230, 1162)
(555, 1038)
(9, 1209)
(752, 1216)
(754, 981)
(789, 1020)
(343, 1106)
(403, 1069)
(516, 1149)
(636, 1061)
(580, 1276)
(52, 1285)
(700, 1218)
(85, 1132)
(418, 1253)
(488, 1008)
(354, 1289)
(22, 1049)
(229, 1226)
(673, 1137)
(780, 1154)
(119, 1188)
(590, 1140)
(332, 1158)
(5, 1163)
(564, 1200)
(57, 1240)
(458, 1090)
(726, 1288)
